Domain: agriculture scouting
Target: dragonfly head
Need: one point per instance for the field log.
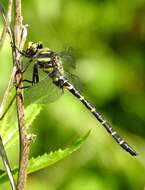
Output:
(32, 48)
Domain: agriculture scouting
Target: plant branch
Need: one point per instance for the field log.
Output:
(7, 21)
(6, 164)
(20, 37)
(7, 17)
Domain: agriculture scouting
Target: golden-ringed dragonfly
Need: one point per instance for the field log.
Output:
(49, 63)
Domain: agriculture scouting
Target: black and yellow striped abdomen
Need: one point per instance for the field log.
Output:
(100, 118)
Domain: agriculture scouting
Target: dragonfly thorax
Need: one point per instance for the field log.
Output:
(32, 48)
(45, 59)
(56, 67)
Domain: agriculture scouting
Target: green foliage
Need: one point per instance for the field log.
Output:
(11, 135)
(46, 160)
(9, 131)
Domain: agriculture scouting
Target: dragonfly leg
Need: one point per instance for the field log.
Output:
(25, 80)
(28, 81)
(23, 53)
(35, 77)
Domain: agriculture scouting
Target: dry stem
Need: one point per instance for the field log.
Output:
(24, 141)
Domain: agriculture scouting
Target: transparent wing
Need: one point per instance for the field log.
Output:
(27, 68)
(69, 64)
(43, 92)
(75, 80)
(68, 58)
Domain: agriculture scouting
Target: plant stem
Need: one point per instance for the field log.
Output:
(24, 141)
(7, 20)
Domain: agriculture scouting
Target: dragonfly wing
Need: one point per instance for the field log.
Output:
(43, 92)
(68, 58)
(69, 64)
(75, 80)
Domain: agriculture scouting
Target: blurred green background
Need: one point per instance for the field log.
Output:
(108, 37)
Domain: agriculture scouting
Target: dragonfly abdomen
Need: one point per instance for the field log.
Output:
(100, 118)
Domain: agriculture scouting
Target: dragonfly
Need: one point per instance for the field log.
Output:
(49, 63)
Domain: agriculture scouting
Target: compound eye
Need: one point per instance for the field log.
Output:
(40, 45)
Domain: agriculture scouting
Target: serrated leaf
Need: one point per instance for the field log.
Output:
(31, 113)
(46, 160)
(53, 157)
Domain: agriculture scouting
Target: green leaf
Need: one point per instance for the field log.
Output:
(46, 160)
(8, 120)
(11, 134)
(6, 109)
